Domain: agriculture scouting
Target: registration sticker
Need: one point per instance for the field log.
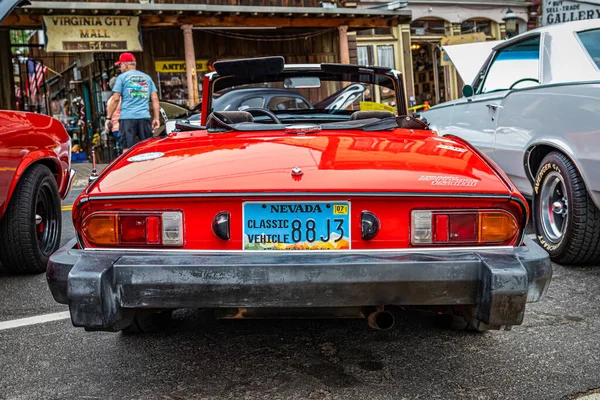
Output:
(296, 225)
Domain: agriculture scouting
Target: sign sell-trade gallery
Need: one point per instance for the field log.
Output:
(558, 11)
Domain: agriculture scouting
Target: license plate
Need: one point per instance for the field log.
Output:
(296, 225)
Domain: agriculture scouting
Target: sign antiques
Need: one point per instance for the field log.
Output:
(556, 12)
(179, 66)
(71, 33)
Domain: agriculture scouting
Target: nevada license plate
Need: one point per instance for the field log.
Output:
(296, 225)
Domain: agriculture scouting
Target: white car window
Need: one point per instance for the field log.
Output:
(591, 42)
(515, 63)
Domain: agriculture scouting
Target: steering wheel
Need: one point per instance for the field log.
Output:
(264, 111)
(523, 80)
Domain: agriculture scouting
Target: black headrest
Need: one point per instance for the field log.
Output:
(371, 114)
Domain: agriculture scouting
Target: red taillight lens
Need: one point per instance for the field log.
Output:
(132, 229)
(137, 229)
(463, 227)
(153, 230)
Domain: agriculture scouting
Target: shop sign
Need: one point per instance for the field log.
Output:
(179, 66)
(78, 33)
(556, 12)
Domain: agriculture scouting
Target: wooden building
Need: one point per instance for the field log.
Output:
(181, 39)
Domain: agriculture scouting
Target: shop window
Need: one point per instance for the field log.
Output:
(385, 58)
(383, 31)
(423, 27)
(385, 55)
(365, 32)
(365, 55)
(512, 64)
(172, 80)
(591, 43)
(252, 102)
(475, 26)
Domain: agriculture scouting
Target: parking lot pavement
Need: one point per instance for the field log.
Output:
(84, 171)
(555, 354)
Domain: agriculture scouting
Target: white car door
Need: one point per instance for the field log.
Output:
(521, 69)
(474, 119)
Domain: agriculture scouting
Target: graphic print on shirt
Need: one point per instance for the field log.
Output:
(137, 87)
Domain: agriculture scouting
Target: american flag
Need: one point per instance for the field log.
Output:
(36, 73)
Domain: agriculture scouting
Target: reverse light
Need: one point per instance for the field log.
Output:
(134, 229)
(463, 227)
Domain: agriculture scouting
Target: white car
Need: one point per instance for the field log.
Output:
(534, 108)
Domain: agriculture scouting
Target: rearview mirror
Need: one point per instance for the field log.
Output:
(302, 82)
(468, 91)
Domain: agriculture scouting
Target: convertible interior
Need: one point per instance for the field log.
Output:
(263, 94)
(225, 121)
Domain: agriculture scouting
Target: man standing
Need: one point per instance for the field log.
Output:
(134, 89)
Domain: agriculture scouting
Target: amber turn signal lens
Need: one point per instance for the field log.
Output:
(497, 227)
(101, 230)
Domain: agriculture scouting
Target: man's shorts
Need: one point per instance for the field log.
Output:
(130, 128)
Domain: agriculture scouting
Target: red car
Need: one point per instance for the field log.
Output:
(345, 212)
(35, 174)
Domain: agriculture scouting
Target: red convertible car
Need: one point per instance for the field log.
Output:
(349, 212)
(35, 173)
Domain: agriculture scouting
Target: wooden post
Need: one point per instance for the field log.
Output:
(190, 65)
(344, 49)
(407, 67)
(7, 83)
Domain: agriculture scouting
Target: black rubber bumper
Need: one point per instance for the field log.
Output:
(101, 286)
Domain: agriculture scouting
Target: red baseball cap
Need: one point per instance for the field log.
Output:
(125, 57)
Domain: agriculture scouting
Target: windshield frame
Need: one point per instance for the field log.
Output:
(383, 77)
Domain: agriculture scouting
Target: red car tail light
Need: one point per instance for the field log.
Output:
(463, 227)
(134, 229)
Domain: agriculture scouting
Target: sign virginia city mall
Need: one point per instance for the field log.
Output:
(556, 12)
(72, 33)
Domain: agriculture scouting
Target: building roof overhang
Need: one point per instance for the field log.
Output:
(203, 15)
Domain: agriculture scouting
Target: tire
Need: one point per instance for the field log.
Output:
(566, 220)
(149, 321)
(27, 243)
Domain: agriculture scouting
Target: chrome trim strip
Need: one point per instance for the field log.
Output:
(424, 250)
(72, 174)
(296, 194)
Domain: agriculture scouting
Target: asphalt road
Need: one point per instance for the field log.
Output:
(555, 354)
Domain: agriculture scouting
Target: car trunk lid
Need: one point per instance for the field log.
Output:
(331, 161)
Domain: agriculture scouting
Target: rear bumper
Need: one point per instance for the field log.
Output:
(101, 286)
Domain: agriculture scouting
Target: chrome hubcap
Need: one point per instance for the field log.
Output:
(554, 206)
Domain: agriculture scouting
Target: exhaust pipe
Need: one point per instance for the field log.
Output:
(383, 320)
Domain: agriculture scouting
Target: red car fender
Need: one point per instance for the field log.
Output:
(53, 151)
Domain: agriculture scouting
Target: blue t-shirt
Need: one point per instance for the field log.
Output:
(135, 88)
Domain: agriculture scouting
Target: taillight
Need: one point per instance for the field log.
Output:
(463, 227)
(134, 229)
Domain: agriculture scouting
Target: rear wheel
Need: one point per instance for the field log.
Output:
(31, 227)
(567, 223)
(149, 321)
